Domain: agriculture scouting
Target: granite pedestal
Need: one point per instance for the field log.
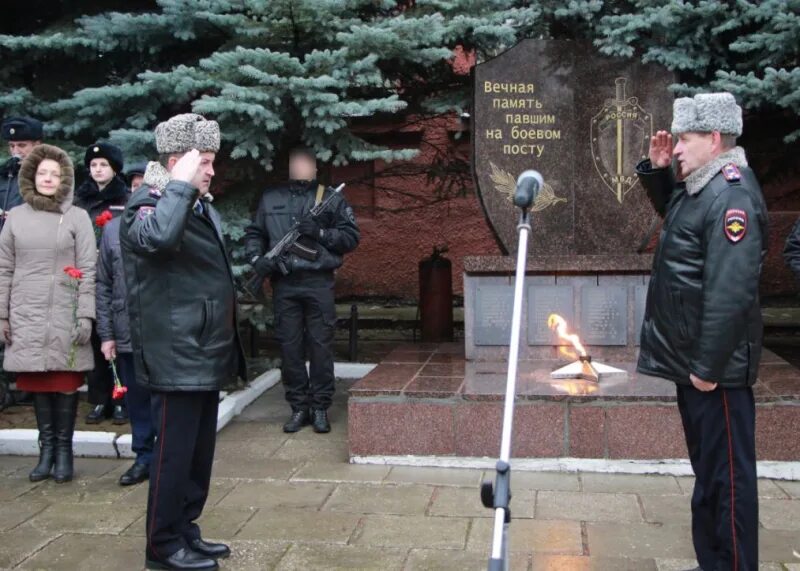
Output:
(429, 400)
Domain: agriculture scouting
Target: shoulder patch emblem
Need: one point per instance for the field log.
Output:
(145, 211)
(735, 225)
(731, 172)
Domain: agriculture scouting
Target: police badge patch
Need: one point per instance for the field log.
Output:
(731, 172)
(735, 225)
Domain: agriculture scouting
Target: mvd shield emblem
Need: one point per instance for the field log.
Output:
(735, 224)
(620, 137)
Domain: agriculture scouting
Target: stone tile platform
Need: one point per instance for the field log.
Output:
(428, 400)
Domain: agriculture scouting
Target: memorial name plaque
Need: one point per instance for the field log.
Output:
(543, 301)
(494, 305)
(584, 121)
(604, 315)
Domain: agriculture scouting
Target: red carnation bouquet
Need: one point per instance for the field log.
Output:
(119, 390)
(100, 221)
(74, 276)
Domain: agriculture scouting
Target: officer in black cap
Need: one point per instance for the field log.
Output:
(135, 175)
(22, 134)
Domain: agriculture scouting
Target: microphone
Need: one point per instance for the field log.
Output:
(529, 184)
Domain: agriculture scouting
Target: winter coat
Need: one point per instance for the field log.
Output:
(40, 238)
(181, 296)
(9, 188)
(703, 315)
(95, 201)
(113, 323)
(282, 206)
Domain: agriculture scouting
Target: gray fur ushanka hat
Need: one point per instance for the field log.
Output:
(182, 133)
(707, 112)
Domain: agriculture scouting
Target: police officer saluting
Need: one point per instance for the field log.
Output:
(22, 135)
(702, 326)
(182, 308)
(303, 299)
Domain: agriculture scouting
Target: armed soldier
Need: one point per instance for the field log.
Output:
(702, 327)
(303, 297)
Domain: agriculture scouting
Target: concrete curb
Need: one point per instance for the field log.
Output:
(677, 467)
(24, 441)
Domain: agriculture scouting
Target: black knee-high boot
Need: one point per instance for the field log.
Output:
(43, 405)
(66, 408)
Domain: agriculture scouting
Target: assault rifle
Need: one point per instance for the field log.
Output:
(291, 244)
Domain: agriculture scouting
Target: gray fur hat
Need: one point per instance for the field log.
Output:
(182, 133)
(707, 112)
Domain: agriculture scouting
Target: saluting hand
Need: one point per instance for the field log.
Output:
(186, 167)
(661, 150)
(701, 385)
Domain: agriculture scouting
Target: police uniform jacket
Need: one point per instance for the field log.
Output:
(181, 298)
(702, 315)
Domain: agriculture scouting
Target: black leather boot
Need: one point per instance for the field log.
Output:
(66, 409)
(182, 559)
(43, 405)
(98, 414)
(120, 415)
(320, 421)
(299, 419)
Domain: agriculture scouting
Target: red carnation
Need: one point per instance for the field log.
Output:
(73, 272)
(103, 218)
(118, 392)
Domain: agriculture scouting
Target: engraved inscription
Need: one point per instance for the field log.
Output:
(604, 315)
(493, 308)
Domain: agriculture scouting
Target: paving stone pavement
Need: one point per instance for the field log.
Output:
(293, 502)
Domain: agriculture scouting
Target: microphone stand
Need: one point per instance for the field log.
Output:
(498, 496)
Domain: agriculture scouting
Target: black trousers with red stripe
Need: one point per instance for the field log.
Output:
(180, 471)
(720, 435)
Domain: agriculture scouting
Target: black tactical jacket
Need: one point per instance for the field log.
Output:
(703, 314)
(181, 298)
(9, 187)
(281, 207)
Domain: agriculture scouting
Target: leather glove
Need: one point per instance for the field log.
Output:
(5, 332)
(309, 227)
(83, 331)
(265, 267)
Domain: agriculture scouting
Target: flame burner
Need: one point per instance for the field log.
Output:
(585, 369)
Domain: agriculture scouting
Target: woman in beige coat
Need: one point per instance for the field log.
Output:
(45, 312)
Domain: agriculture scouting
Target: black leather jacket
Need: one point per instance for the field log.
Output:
(281, 207)
(111, 292)
(181, 298)
(703, 314)
(9, 187)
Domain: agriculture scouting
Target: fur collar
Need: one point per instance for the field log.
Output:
(157, 177)
(62, 200)
(702, 176)
(115, 191)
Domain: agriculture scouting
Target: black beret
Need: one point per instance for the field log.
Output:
(112, 153)
(22, 129)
